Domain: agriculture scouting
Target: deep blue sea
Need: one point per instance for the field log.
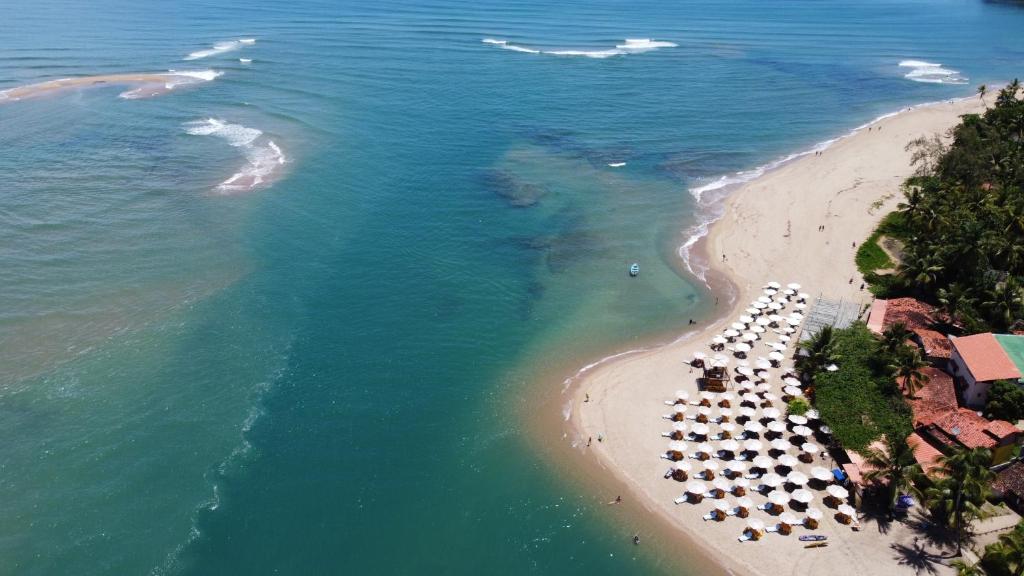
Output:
(327, 373)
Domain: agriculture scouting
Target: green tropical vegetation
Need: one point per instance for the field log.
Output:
(859, 400)
(895, 468)
(870, 256)
(961, 486)
(962, 221)
(1005, 557)
(1005, 402)
(798, 406)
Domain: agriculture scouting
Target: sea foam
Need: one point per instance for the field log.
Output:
(931, 73)
(263, 156)
(175, 79)
(220, 48)
(629, 46)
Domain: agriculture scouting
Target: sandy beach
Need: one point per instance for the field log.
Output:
(769, 231)
(145, 85)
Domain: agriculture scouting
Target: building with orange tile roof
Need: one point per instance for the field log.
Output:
(976, 362)
(918, 317)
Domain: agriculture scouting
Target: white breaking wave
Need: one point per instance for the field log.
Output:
(931, 73)
(220, 48)
(175, 78)
(263, 157)
(630, 46)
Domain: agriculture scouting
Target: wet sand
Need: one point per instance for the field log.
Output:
(145, 85)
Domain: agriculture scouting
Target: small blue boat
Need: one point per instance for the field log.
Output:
(634, 270)
(812, 538)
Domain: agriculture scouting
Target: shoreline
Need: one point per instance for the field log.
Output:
(145, 84)
(850, 186)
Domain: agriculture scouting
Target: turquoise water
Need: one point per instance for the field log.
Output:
(326, 374)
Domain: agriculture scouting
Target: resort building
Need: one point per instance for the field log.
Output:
(980, 359)
(1009, 484)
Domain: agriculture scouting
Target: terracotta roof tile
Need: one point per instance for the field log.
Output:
(985, 358)
(935, 399)
(1010, 479)
(974, 431)
(911, 311)
(925, 454)
(936, 344)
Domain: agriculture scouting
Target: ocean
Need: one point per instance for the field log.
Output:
(289, 314)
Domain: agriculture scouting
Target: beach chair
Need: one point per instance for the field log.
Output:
(708, 516)
(681, 500)
(744, 537)
(772, 528)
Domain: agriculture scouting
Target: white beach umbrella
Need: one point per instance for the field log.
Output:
(793, 391)
(755, 524)
(722, 484)
(837, 491)
(813, 514)
(784, 338)
(770, 396)
(809, 447)
(725, 412)
(682, 395)
(719, 340)
(736, 466)
(762, 321)
(800, 305)
(812, 415)
(772, 413)
(788, 518)
(743, 347)
(781, 444)
(777, 356)
(711, 465)
(683, 465)
(698, 355)
(792, 321)
(752, 311)
(677, 446)
(749, 337)
(790, 381)
(821, 473)
(789, 330)
(776, 306)
(743, 362)
(778, 346)
(705, 410)
(777, 426)
(797, 419)
(705, 448)
(802, 431)
(771, 479)
(764, 299)
(789, 292)
(788, 461)
(728, 427)
(793, 286)
(797, 477)
(723, 504)
(700, 429)
(729, 445)
(680, 408)
(802, 496)
(747, 411)
(748, 397)
(762, 374)
(762, 461)
(745, 370)
(755, 427)
(762, 387)
(738, 326)
(848, 510)
(745, 502)
(773, 285)
(726, 396)
(741, 482)
(770, 291)
(679, 426)
(759, 305)
(774, 318)
(756, 329)
(746, 319)
(731, 333)
(696, 487)
(752, 445)
(763, 364)
(831, 368)
(779, 498)
(708, 395)
(803, 295)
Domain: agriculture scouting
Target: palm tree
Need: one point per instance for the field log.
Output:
(895, 337)
(912, 207)
(964, 485)
(894, 466)
(956, 301)
(1003, 303)
(965, 569)
(819, 350)
(907, 367)
(982, 90)
(1010, 549)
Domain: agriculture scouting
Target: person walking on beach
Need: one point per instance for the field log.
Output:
(636, 539)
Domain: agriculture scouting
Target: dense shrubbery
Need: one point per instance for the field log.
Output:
(1005, 402)
(860, 401)
(963, 220)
